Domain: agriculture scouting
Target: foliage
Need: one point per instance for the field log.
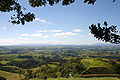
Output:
(20, 17)
(107, 34)
(13, 5)
(25, 64)
(12, 69)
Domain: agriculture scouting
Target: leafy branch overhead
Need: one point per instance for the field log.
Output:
(107, 34)
(20, 17)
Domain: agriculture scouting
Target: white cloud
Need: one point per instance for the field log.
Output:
(33, 35)
(4, 28)
(65, 34)
(45, 36)
(43, 20)
(30, 41)
(52, 31)
(26, 41)
(77, 30)
(24, 35)
(36, 35)
(20, 41)
(13, 41)
(20, 38)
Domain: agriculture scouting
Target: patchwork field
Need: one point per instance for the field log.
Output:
(11, 76)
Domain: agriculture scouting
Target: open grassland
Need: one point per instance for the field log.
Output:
(11, 76)
(4, 62)
(96, 62)
(95, 78)
(100, 66)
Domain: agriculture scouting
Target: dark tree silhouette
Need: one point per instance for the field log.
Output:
(107, 34)
(20, 17)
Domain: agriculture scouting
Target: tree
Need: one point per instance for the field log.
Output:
(107, 34)
(20, 17)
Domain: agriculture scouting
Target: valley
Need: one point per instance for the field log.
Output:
(60, 62)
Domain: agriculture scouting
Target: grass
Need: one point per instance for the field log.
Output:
(52, 65)
(5, 62)
(10, 76)
(95, 78)
(20, 59)
(96, 62)
(92, 62)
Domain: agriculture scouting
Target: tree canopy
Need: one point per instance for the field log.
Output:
(20, 17)
(107, 34)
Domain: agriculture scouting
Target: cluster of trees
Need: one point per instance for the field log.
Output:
(72, 67)
(12, 69)
(26, 64)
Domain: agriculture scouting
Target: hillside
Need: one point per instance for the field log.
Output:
(59, 61)
(11, 76)
(100, 66)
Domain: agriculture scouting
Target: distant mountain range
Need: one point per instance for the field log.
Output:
(98, 44)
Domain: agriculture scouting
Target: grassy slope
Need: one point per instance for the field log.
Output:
(94, 62)
(97, 62)
(10, 76)
(96, 78)
(5, 62)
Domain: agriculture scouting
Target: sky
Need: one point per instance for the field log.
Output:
(67, 25)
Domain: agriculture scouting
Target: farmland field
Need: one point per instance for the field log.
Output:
(11, 76)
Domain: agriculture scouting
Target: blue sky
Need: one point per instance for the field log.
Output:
(59, 24)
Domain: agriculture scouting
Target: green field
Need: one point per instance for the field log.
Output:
(95, 78)
(4, 62)
(96, 62)
(11, 76)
